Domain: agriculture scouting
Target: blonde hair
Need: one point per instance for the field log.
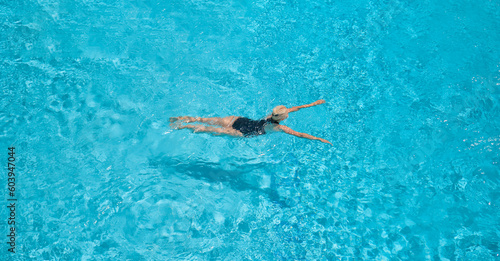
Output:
(279, 113)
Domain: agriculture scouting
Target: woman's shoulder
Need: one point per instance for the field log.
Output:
(273, 127)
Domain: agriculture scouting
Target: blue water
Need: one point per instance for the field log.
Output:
(413, 112)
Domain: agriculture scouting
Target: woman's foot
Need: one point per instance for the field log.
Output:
(176, 122)
(174, 119)
(193, 127)
(175, 125)
(186, 119)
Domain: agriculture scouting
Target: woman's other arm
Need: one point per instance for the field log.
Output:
(300, 134)
(296, 108)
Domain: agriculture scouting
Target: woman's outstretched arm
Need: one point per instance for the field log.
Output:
(296, 108)
(300, 134)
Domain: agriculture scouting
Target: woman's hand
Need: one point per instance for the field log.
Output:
(325, 141)
(318, 102)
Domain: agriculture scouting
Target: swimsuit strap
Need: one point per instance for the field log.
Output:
(272, 121)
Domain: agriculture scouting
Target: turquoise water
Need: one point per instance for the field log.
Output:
(413, 112)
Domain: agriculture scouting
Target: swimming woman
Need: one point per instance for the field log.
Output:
(241, 126)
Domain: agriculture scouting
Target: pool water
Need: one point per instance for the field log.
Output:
(412, 92)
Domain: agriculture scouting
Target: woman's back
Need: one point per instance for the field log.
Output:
(251, 127)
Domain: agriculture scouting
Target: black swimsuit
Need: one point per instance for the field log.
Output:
(250, 127)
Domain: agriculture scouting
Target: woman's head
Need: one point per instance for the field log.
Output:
(279, 113)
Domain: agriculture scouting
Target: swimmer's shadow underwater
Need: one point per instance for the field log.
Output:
(247, 177)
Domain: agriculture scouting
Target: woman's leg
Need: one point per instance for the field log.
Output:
(213, 130)
(224, 122)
